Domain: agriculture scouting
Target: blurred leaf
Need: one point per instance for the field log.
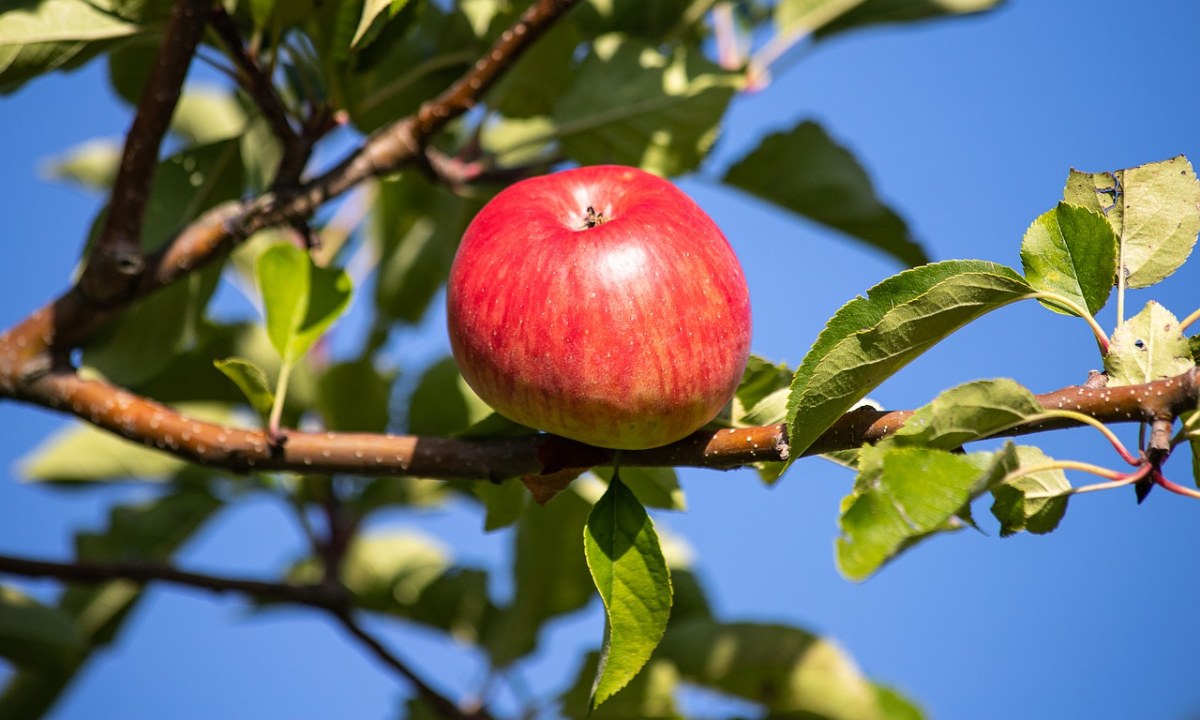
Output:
(792, 672)
(373, 19)
(656, 487)
(519, 141)
(355, 397)
(968, 412)
(874, 12)
(650, 20)
(655, 111)
(34, 636)
(550, 575)
(300, 300)
(808, 16)
(416, 227)
(387, 572)
(1148, 346)
(407, 65)
(503, 503)
(1071, 251)
(129, 66)
(152, 531)
(40, 36)
(822, 181)
(140, 342)
(261, 11)
(443, 403)
(650, 695)
(456, 602)
(627, 565)
(83, 453)
(1035, 502)
(207, 115)
(542, 75)
(91, 164)
(905, 494)
(251, 380)
(1153, 210)
(894, 706)
(261, 154)
(870, 338)
(389, 491)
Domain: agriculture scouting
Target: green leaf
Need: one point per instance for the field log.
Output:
(386, 572)
(650, 20)
(503, 503)
(1153, 210)
(871, 338)
(416, 226)
(650, 695)
(208, 115)
(656, 487)
(550, 576)
(894, 706)
(355, 397)
(792, 672)
(808, 16)
(1191, 421)
(35, 636)
(631, 575)
(300, 300)
(969, 412)
(251, 380)
(456, 602)
(82, 453)
(443, 403)
(903, 495)
(129, 66)
(822, 181)
(372, 19)
(144, 339)
(633, 105)
(152, 531)
(542, 75)
(40, 36)
(761, 398)
(1148, 346)
(91, 165)
(1071, 251)
(1035, 502)
(873, 12)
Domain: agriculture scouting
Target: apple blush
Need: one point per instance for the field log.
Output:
(601, 304)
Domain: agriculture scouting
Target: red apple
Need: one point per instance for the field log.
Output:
(601, 304)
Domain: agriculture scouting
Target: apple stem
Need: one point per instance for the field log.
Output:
(593, 218)
(616, 476)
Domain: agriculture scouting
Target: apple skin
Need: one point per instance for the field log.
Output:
(628, 332)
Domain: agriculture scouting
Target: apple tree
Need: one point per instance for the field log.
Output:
(347, 150)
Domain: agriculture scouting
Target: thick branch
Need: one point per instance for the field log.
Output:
(116, 260)
(241, 450)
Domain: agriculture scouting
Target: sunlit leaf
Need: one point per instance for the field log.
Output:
(650, 695)
(251, 380)
(1034, 502)
(761, 398)
(822, 181)
(903, 495)
(870, 338)
(443, 403)
(629, 571)
(792, 672)
(655, 111)
(656, 487)
(1147, 347)
(206, 115)
(873, 12)
(39, 36)
(386, 572)
(373, 18)
(1071, 251)
(894, 706)
(968, 412)
(1153, 210)
(92, 164)
(301, 300)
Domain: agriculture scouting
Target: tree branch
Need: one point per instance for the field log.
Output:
(241, 450)
(66, 322)
(330, 597)
(116, 261)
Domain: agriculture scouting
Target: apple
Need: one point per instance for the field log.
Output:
(601, 304)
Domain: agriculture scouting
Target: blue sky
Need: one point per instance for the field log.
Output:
(968, 129)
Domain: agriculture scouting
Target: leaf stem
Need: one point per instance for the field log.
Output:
(1189, 320)
(1089, 420)
(1166, 484)
(281, 386)
(1101, 337)
(1069, 465)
